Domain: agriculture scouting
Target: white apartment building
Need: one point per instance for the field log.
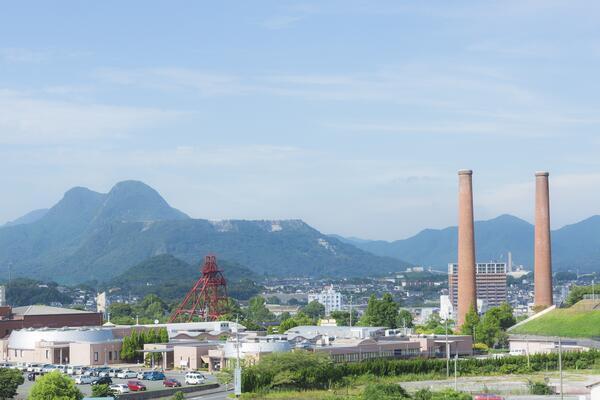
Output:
(331, 299)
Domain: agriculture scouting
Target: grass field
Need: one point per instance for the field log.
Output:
(568, 322)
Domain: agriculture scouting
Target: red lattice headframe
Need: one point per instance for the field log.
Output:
(207, 300)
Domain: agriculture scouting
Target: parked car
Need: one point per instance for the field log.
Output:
(136, 386)
(127, 374)
(48, 368)
(119, 388)
(34, 367)
(84, 379)
(102, 371)
(113, 372)
(145, 375)
(20, 366)
(61, 368)
(194, 378)
(5, 365)
(171, 382)
(80, 370)
(105, 380)
(155, 376)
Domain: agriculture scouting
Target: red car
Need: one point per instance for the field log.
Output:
(170, 382)
(488, 397)
(136, 386)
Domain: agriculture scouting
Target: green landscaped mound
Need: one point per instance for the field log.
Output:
(566, 322)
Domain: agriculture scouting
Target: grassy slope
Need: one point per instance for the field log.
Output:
(564, 322)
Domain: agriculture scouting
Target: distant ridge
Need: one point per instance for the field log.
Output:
(575, 246)
(95, 236)
(28, 218)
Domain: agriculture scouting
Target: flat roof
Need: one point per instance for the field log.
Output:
(47, 310)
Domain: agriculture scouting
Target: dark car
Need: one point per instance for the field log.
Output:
(136, 386)
(171, 382)
(105, 380)
(154, 376)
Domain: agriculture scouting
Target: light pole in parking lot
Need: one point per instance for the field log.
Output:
(238, 367)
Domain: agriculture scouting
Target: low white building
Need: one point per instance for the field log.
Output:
(331, 299)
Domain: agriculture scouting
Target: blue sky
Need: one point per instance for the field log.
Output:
(351, 115)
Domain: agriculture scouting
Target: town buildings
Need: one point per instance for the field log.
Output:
(331, 299)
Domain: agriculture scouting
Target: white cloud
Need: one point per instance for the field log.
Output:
(28, 120)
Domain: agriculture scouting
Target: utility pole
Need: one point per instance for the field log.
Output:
(447, 351)
(455, 372)
(560, 367)
(350, 310)
(238, 368)
(527, 352)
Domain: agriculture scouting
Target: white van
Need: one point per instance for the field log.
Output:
(194, 378)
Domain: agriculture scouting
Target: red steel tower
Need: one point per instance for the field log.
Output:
(207, 300)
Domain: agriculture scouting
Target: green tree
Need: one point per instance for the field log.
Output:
(314, 310)
(471, 322)
(10, 379)
(257, 311)
(382, 312)
(102, 391)
(504, 314)
(297, 320)
(55, 386)
(163, 335)
(342, 318)
(404, 318)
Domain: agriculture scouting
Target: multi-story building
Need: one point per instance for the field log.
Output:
(331, 299)
(490, 280)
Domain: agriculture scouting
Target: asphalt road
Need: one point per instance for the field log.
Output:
(24, 389)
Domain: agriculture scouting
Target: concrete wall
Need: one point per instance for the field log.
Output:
(95, 353)
(190, 357)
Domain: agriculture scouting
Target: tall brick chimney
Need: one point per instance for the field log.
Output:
(543, 251)
(467, 291)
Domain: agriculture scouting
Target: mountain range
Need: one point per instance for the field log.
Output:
(575, 246)
(96, 236)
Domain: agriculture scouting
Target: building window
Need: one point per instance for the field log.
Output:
(47, 354)
(116, 355)
(110, 356)
(21, 353)
(95, 356)
(15, 352)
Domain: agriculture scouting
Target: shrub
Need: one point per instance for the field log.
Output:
(10, 379)
(540, 388)
(56, 386)
(384, 391)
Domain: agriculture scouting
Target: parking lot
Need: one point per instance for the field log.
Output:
(24, 389)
